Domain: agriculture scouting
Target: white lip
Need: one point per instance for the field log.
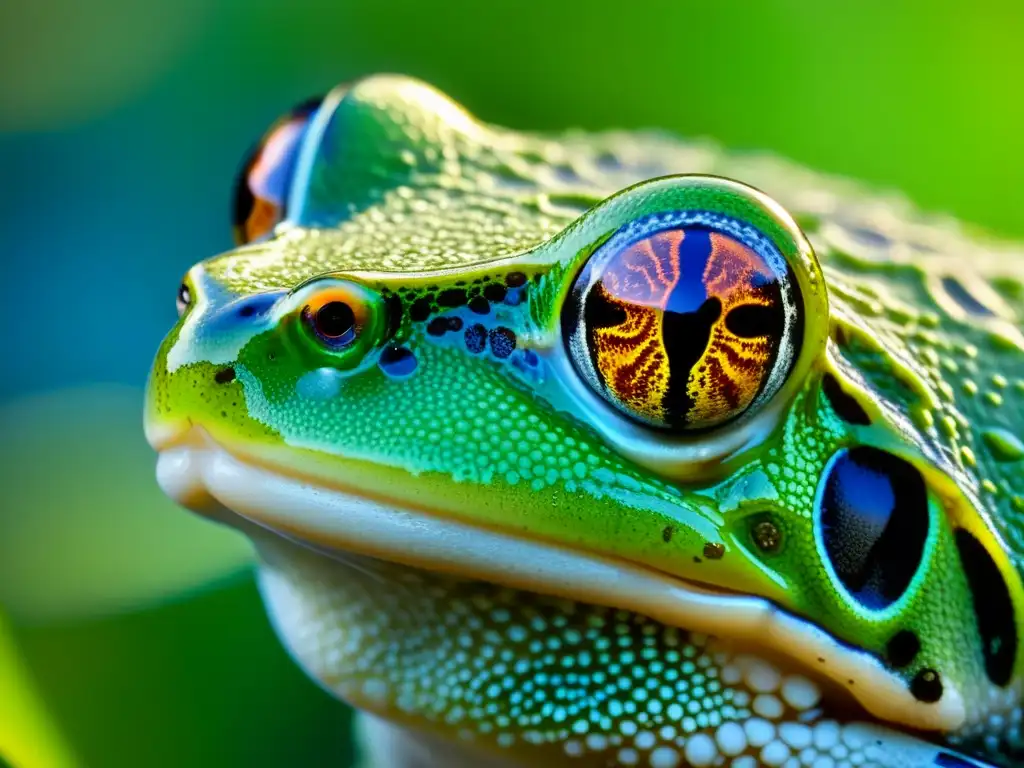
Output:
(202, 476)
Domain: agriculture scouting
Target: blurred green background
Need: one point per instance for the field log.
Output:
(131, 633)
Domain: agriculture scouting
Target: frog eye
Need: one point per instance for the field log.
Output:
(685, 320)
(261, 189)
(342, 318)
(184, 300)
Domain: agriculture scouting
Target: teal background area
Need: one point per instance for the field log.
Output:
(121, 128)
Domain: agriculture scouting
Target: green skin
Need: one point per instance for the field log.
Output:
(399, 195)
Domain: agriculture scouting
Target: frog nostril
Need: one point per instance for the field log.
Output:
(224, 376)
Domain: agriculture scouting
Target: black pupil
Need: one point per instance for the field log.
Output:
(335, 319)
(184, 296)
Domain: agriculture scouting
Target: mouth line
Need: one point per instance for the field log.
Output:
(204, 476)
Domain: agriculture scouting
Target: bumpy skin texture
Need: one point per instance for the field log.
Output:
(462, 398)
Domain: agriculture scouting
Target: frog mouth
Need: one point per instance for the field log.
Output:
(209, 479)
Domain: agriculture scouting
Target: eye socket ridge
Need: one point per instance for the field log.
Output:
(628, 354)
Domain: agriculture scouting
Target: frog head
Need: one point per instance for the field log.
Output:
(594, 369)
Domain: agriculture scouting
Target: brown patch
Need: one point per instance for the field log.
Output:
(713, 550)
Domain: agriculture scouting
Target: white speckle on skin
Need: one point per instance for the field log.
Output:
(759, 732)
(796, 735)
(664, 757)
(731, 739)
(762, 677)
(768, 706)
(800, 693)
(628, 756)
(826, 734)
(700, 751)
(774, 753)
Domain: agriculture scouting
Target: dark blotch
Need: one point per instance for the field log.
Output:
(926, 686)
(993, 607)
(393, 306)
(667, 532)
(503, 342)
(476, 338)
(452, 297)
(454, 323)
(224, 376)
(874, 523)
(515, 279)
(397, 361)
(713, 550)
(420, 310)
(438, 326)
(479, 305)
(748, 321)
(902, 648)
(494, 292)
(844, 404)
(958, 293)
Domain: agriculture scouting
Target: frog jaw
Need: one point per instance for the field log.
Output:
(206, 477)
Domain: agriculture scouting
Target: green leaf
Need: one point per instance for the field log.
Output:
(28, 738)
(84, 529)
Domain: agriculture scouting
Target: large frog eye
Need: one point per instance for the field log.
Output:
(261, 190)
(685, 320)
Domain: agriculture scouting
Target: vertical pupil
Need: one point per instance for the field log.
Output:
(335, 319)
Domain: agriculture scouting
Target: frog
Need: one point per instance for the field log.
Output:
(609, 448)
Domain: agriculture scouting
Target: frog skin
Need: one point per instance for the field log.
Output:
(582, 450)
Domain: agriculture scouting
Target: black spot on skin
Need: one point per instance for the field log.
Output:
(993, 607)
(480, 305)
(666, 534)
(476, 338)
(495, 292)
(902, 648)
(393, 307)
(748, 321)
(503, 342)
(438, 326)
(697, 560)
(874, 523)
(224, 376)
(844, 404)
(958, 293)
(926, 686)
(713, 550)
(454, 323)
(420, 310)
(247, 310)
(452, 297)
(515, 279)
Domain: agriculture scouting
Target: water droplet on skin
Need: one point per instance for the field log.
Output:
(1003, 444)
(321, 384)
